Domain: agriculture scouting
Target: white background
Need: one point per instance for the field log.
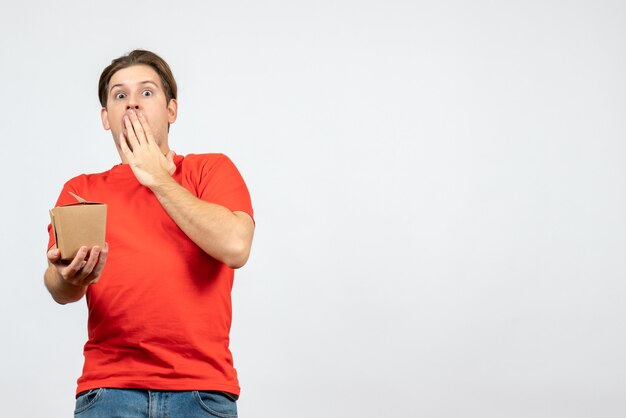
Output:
(439, 190)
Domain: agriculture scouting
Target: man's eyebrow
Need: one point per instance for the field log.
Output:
(141, 82)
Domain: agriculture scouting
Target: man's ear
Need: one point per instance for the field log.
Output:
(104, 115)
(172, 111)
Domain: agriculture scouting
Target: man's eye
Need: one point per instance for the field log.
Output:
(120, 95)
(147, 93)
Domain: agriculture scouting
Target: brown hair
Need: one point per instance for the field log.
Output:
(138, 57)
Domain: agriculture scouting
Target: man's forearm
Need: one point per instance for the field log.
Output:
(224, 235)
(62, 291)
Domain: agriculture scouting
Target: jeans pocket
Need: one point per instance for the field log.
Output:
(216, 403)
(87, 399)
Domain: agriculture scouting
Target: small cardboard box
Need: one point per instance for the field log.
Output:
(78, 224)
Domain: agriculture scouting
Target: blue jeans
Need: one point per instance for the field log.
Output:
(131, 403)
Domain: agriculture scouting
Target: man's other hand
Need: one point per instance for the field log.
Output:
(142, 152)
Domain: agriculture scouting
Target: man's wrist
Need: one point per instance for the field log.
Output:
(63, 291)
(162, 183)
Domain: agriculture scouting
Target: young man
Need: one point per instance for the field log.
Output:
(158, 293)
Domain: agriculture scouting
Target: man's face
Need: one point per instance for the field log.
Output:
(138, 87)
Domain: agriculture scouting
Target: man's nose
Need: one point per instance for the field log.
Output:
(132, 106)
